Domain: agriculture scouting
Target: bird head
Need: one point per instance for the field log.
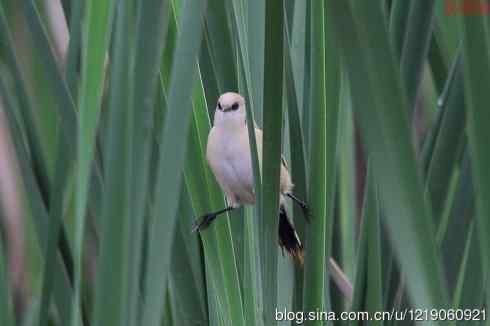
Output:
(230, 111)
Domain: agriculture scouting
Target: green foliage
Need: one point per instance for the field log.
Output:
(380, 107)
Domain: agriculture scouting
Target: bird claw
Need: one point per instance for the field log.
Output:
(303, 205)
(204, 223)
(306, 212)
(195, 226)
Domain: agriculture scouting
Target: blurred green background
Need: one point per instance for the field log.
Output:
(380, 107)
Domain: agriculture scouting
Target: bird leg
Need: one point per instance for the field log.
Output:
(302, 204)
(208, 218)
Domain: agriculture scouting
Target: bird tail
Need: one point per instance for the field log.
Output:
(288, 238)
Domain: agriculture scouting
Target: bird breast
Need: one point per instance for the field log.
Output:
(228, 154)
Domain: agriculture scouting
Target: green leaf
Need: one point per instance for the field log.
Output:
(220, 259)
(477, 75)
(298, 162)
(37, 205)
(6, 315)
(450, 139)
(400, 10)
(249, 19)
(457, 228)
(416, 46)
(220, 42)
(25, 105)
(65, 104)
(376, 92)
(368, 284)
(361, 263)
(73, 53)
(149, 42)
(347, 177)
(271, 153)
(189, 287)
(112, 290)
(470, 294)
(374, 299)
(96, 31)
(48, 196)
(173, 139)
(325, 82)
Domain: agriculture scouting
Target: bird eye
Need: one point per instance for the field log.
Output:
(219, 106)
(234, 107)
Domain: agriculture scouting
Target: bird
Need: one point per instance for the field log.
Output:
(229, 157)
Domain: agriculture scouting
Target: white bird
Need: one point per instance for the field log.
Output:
(228, 154)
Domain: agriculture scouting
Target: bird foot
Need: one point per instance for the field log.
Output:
(204, 222)
(302, 204)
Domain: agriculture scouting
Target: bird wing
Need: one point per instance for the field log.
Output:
(258, 139)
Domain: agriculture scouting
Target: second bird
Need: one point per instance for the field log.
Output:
(228, 154)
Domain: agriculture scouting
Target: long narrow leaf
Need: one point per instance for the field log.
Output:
(112, 295)
(171, 160)
(477, 66)
(271, 153)
(325, 82)
(96, 31)
(387, 138)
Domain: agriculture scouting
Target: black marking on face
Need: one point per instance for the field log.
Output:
(234, 107)
(219, 106)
